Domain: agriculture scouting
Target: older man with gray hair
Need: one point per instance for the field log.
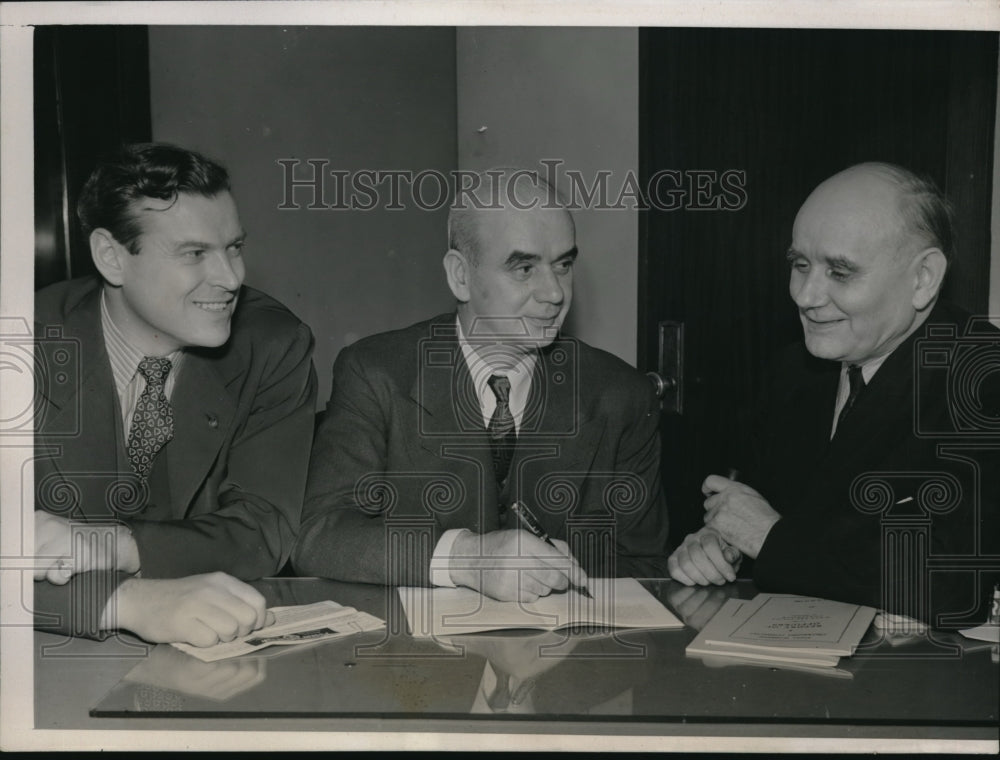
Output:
(869, 480)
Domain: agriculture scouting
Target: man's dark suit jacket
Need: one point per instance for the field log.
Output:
(402, 455)
(910, 433)
(229, 495)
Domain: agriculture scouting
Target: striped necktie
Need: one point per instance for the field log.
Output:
(501, 430)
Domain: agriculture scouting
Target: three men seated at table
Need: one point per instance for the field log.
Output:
(185, 473)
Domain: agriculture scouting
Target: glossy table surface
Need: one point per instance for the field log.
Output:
(934, 686)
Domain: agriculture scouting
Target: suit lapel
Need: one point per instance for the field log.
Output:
(442, 390)
(84, 406)
(883, 408)
(448, 418)
(204, 411)
(555, 403)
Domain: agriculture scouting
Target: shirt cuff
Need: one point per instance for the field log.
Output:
(441, 560)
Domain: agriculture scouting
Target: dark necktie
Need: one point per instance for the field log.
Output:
(857, 383)
(153, 421)
(503, 435)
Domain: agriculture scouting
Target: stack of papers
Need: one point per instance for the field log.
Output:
(293, 625)
(616, 603)
(784, 628)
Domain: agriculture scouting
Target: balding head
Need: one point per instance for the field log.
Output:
(496, 193)
(512, 246)
(868, 258)
(889, 200)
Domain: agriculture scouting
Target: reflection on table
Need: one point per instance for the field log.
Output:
(569, 675)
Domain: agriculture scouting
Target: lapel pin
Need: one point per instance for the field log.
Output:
(213, 421)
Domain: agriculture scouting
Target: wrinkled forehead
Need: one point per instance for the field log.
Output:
(541, 230)
(856, 210)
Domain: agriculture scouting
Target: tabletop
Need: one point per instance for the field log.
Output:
(936, 685)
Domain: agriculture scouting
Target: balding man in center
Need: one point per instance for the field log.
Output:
(434, 431)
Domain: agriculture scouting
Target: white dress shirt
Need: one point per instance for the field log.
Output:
(519, 373)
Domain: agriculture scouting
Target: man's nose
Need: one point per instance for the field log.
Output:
(548, 288)
(226, 270)
(807, 290)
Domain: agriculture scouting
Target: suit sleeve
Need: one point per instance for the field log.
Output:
(251, 532)
(848, 557)
(820, 546)
(345, 533)
(837, 539)
(642, 534)
(75, 608)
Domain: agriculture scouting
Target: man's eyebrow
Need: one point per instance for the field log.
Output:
(517, 258)
(833, 262)
(840, 262)
(241, 238)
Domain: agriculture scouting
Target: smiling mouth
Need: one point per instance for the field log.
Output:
(216, 307)
(543, 320)
(821, 322)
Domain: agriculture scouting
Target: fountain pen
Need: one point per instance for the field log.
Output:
(531, 524)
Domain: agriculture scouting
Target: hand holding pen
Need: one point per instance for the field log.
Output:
(531, 524)
(705, 557)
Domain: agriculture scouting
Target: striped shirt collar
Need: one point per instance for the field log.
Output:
(123, 356)
(519, 374)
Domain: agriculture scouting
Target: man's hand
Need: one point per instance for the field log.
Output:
(97, 547)
(169, 668)
(738, 513)
(200, 610)
(701, 560)
(513, 565)
(696, 606)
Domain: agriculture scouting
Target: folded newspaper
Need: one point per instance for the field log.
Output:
(298, 624)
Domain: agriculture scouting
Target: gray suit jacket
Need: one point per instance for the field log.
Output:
(235, 470)
(402, 455)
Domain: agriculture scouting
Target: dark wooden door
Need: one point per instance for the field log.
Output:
(91, 93)
(781, 110)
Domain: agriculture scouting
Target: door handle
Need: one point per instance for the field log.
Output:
(668, 380)
(661, 384)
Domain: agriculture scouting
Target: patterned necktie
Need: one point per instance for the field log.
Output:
(503, 435)
(857, 383)
(153, 421)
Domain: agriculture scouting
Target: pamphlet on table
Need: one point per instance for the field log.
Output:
(784, 628)
(616, 603)
(293, 625)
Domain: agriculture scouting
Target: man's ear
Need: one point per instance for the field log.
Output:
(930, 267)
(108, 254)
(457, 268)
